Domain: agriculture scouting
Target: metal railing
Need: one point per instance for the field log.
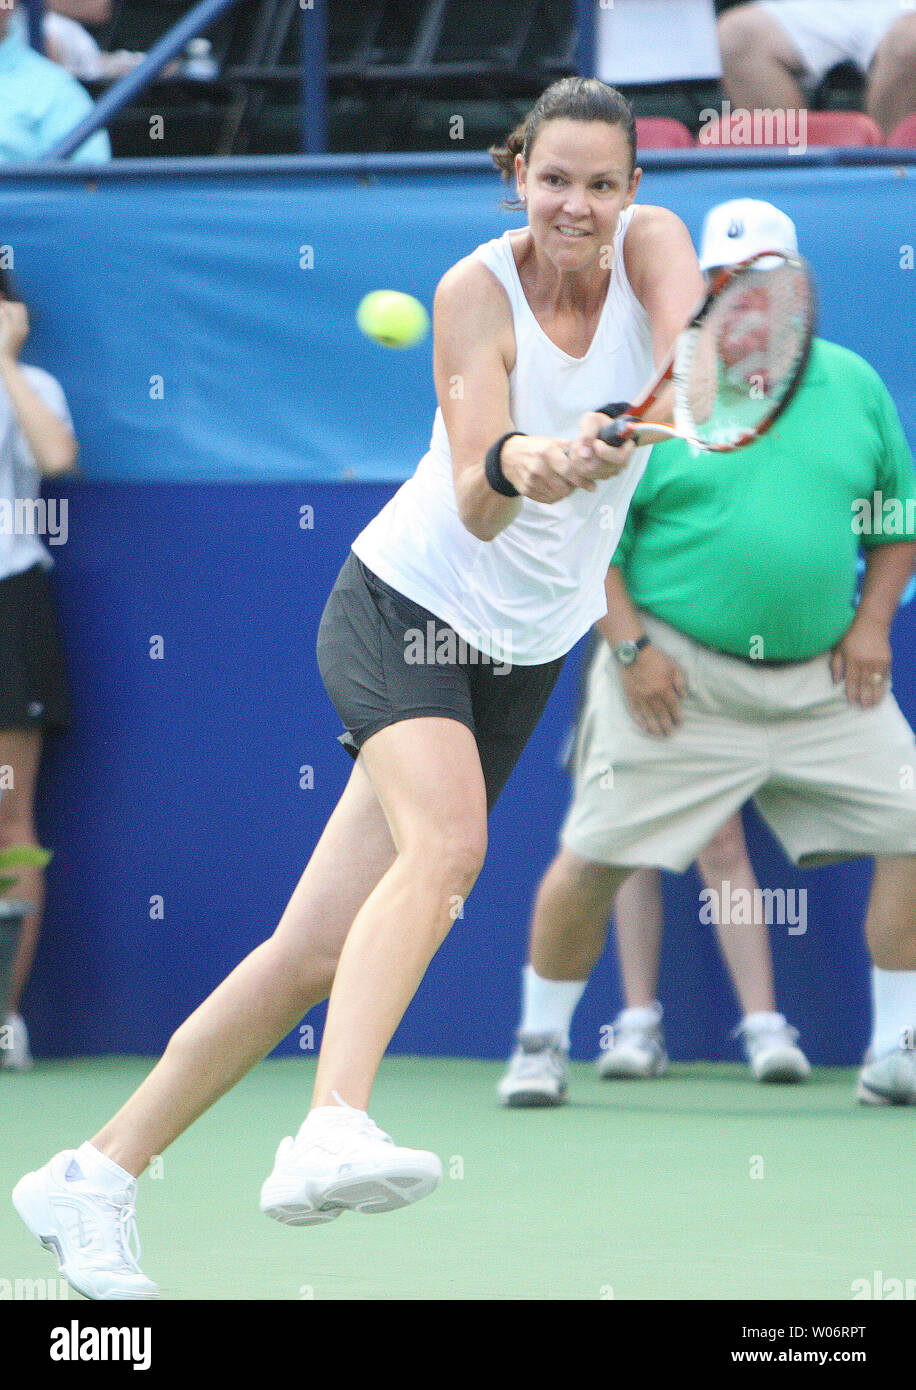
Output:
(35, 10)
(196, 21)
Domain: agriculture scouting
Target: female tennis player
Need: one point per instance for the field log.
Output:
(496, 549)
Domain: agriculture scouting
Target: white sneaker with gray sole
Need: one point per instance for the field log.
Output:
(889, 1079)
(538, 1072)
(771, 1048)
(341, 1161)
(15, 1053)
(636, 1048)
(92, 1233)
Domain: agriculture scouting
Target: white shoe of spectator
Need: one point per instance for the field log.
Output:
(771, 1048)
(637, 1048)
(14, 1044)
(538, 1072)
(889, 1079)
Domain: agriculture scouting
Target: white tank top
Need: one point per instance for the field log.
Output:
(527, 596)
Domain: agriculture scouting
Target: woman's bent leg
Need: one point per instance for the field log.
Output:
(428, 778)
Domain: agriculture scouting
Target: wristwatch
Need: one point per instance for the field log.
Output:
(627, 652)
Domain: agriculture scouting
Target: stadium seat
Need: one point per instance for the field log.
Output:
(843, 128)
(779, 128)
(905, 133)
(662, 133)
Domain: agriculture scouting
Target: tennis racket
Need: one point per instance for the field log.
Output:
(738, 362)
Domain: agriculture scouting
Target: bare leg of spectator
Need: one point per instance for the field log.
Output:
(892, 79)
(638, 919)
(890, 925)
(638, 915)
(571, 914)
(20, 749)
(761, 68)
(724, 867)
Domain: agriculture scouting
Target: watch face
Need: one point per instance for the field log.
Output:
(626, 653)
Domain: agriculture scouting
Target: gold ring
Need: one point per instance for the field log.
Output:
(877, 677)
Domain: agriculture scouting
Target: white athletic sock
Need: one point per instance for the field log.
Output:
(752, 1022)
(90, 1163)
(640, 1016)
(548, 1005)
(321, 1112)
(893, 995)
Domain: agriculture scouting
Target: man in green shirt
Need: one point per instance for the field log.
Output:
(736, 664)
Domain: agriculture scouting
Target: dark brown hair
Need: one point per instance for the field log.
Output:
(572, 99)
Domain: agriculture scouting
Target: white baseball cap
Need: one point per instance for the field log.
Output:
(743, 227)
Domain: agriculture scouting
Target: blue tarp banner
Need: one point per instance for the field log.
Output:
(204, 326)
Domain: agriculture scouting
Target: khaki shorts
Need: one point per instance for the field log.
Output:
(832, 780)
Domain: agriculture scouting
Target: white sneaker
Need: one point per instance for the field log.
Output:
(771, 1048)
(889, 1079)
(341, 1161)
(637, 1048)
(538, 1072)
(91, 1232)
(14, 1044)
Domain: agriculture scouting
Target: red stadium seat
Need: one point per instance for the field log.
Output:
(902, 134)
(786, 128)
(662, 133)
(843, 128)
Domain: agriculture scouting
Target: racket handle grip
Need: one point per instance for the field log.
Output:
(619, 430)
(616, 433)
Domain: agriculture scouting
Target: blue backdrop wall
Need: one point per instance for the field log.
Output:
(219, 387)
(204, 321)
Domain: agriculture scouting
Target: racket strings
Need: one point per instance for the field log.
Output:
(734, 368)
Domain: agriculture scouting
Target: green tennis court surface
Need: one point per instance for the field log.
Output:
(702, 1185)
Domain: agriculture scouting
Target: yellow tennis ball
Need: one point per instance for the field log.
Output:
(393, 319)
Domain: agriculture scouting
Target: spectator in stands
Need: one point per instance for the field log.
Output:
(74, 48)
(94, 12)
(740, 694)
(36, 440)
(39, 103)
(776, 52)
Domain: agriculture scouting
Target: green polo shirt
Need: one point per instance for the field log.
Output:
(755, 552)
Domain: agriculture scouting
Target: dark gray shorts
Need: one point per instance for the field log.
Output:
(33, 683)
(369, 663)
